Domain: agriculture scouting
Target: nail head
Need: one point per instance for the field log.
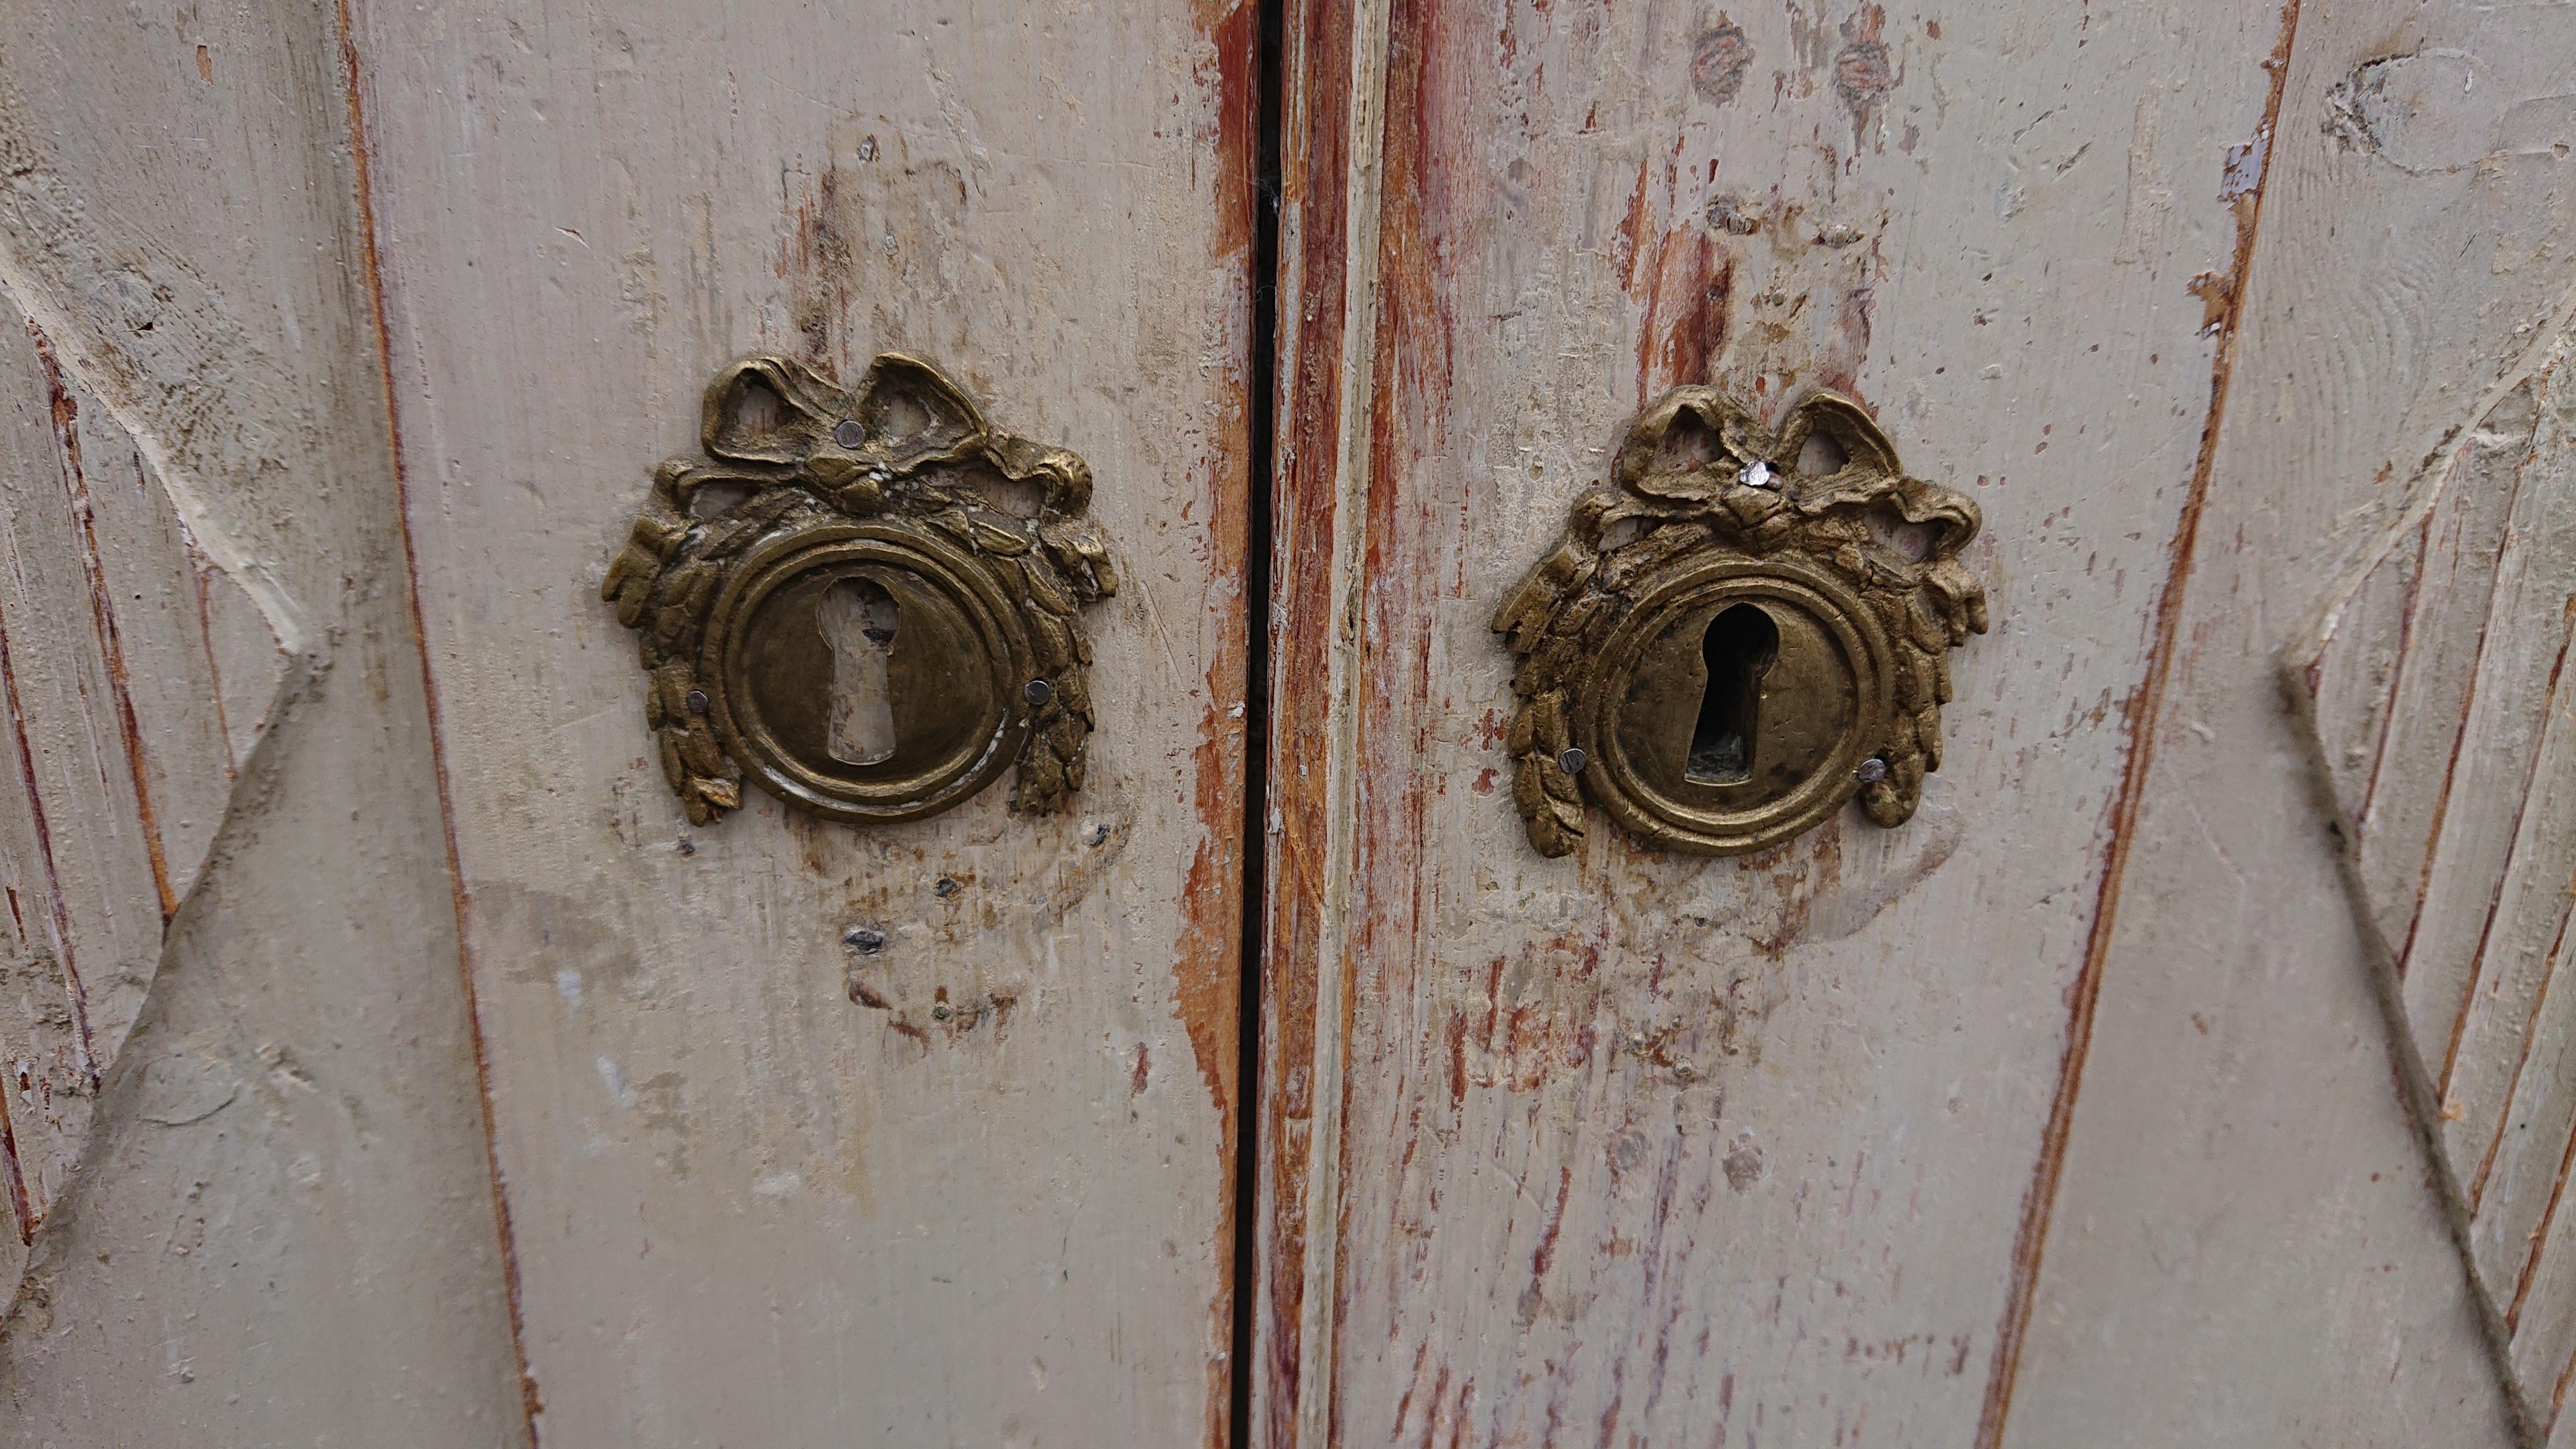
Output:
(849, 434)
(1572, 762)
(1871, 771)
(697, 701)
(866, 940)
(1039, 691)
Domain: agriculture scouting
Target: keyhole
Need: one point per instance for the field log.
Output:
(1738, 648)
(858, 619)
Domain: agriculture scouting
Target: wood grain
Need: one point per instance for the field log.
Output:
(761, 1184)
(1331, 124)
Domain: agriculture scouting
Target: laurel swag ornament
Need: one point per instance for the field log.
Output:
(1723, 648)
(974, 542)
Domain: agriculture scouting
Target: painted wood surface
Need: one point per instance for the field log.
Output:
(762, 1185)
(2434, 675)
(2061, 1116)
(1799, 1148)
(277, 1225)
(2237, 1095)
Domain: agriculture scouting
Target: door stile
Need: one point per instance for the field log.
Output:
(1332, 124)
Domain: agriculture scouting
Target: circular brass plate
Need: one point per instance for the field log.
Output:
(1827, 683)
(958, 664)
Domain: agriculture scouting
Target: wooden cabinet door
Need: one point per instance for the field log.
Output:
(2066, 1112)
(407, 1040)
(797, 1133)
(760, 1182)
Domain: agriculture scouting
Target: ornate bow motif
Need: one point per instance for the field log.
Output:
(1698, 473)
(904, 444)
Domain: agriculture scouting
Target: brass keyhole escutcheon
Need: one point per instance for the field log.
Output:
(1746, 631)
(869, 630)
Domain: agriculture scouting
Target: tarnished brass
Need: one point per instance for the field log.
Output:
(898, 489)
(1724, 648)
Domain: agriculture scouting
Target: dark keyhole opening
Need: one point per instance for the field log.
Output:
(858, 619)
(1738, 649)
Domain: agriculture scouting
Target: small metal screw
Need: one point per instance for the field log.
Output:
(849, 434)
(1572, 762)
(1871, 771)
(941, 1012)
(866, 940)
(1039, 691)
(697, 701)
(1756, 474)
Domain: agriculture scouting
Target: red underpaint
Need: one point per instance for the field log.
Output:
(2407, 619)
(17, 1181)
(15, 1178)
(1545, 1256)
(199, 568)
(2537, 1245)
(1863, 69)
(1207, 969)
(1686, 295)
(1314, 208)
(1409, 529)
(1206, 964)
(2459, 744)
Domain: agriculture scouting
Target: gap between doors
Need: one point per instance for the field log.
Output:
(1270, 31)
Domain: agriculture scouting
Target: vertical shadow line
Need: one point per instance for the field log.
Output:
(1271, 32)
